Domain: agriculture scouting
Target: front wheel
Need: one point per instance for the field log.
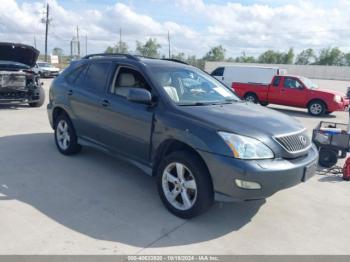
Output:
(65, 136)
(184, 185)
(41, 100)
(317, 108)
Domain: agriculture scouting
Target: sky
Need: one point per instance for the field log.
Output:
(250, 26)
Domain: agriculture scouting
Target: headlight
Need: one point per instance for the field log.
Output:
(245, 147)
(337, 99)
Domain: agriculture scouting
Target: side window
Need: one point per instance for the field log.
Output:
(96, 76)
(292, 83)
(276, 81)
(127, 78)
(75, 74)
(218, 71)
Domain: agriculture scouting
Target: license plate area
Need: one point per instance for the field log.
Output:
(309, 171)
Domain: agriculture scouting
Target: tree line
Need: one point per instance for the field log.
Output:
(151, 48)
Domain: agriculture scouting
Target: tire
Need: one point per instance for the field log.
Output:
(328, 112)
(195, 184)
(327, 157)
(264, 103)
(65, 136)
(317, 108)
(41, 100)
(250, 97)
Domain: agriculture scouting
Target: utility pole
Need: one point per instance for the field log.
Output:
(34, 41)
(169, 43)
(78, 41)
(47, 21)
(86, 48)
(120, 38)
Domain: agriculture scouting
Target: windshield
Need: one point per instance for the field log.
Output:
(309, 83)
(191, 86)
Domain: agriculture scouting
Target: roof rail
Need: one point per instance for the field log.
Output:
(175, 60)
(109, 55)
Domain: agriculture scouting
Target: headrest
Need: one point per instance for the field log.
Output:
(126, 80)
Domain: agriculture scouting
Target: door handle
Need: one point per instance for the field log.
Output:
(105, 103)
(70, 92)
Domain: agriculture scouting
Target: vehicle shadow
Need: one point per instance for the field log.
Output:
(305, 114)
(13, 106)
(102, 197)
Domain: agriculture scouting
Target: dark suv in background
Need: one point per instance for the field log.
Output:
(182, 125)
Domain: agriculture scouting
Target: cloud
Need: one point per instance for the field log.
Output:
(238, 27)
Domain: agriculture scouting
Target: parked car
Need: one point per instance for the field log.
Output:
(18, 83)
(246, 74)
(45, 69)
(181, 125)
(295, 91)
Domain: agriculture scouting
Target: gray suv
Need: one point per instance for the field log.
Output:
(181, 125)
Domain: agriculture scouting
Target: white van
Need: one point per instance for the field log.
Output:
(246, 74)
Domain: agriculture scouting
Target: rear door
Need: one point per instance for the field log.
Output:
(292, 92)
(85, 97)
(127, 125)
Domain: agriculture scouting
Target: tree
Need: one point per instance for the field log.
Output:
(273, 57)
(120, 48)
(149, 49)
(331, 56)
(216, 53)
(306, 57)
(244, 59)
(180, 56)
(57, 51)
(347, 59)
(192, 60)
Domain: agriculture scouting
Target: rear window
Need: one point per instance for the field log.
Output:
(218, 71)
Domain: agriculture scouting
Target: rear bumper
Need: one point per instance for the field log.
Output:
(20, 96)
(272, 175)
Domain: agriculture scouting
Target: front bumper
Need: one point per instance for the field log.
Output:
(272, 174)
(342, 106)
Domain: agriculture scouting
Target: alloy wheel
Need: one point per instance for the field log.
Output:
(179, 186)
(62, 134)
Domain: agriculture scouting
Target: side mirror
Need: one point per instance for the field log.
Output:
(139, 95)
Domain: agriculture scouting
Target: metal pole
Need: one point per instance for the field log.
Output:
(86, 43)
(169, 43)
(47, 29)
(78, 41)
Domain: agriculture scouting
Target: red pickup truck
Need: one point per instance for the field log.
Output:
(293, 91)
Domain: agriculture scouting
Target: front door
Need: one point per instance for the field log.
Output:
(128, 125)
(292, 92)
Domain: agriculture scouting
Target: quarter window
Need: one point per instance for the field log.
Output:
(72, 77)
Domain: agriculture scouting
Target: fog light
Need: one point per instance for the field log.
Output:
(247, 184)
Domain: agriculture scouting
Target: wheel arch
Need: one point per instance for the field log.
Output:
(172, 145)
(57, 111)
(315, 100)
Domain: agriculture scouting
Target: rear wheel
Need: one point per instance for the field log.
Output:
(184, 185)
(317, 108)
(65, 136)
(252, 98)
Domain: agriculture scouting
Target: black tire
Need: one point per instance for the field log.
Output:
(251, 97)
(41, 100)
(327, 157)
(72, 146)
(264, 103)
(317, 108)
(198, 171)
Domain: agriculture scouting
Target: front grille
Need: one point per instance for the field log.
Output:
(295, 142)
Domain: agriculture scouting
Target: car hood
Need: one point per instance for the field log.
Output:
(18, 53)
(245, 119)
(328, 91)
